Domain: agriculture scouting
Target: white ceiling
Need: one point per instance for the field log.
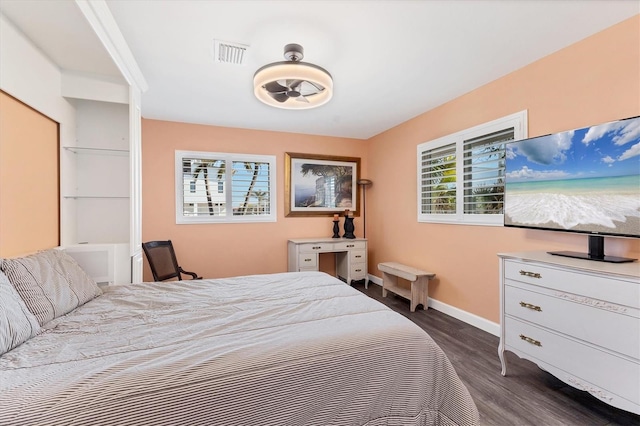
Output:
(390, 60)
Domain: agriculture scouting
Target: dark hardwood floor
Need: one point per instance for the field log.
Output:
(526, 396)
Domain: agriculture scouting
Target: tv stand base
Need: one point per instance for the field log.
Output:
(578, 255)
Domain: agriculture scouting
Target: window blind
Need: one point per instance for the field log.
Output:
(483, 176)
(461, 176)
(217, 187)
(438, 177)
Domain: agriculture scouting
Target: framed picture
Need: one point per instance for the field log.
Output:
(321, 185)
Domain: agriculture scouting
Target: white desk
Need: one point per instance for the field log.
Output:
(351, 256)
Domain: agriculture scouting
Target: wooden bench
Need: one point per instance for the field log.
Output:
(419, 293)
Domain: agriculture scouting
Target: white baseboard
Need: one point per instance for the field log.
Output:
(375, 280)
(464, 316)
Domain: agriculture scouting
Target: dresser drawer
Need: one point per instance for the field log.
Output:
(358, 256)
(602, 287)
(580, 318)
(349, 245)
(307, 261)
(584, 363)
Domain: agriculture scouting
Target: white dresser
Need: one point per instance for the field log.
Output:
(577, 319)
(351, 256)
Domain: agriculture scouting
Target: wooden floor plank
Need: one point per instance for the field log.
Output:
(526, 396)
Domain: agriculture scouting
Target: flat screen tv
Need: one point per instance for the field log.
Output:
(584, 180)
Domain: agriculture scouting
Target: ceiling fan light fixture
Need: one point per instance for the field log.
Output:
(292, 84)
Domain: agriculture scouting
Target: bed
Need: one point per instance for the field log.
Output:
(298, 348)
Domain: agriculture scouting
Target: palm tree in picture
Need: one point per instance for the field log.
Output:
(335, 177)
(324, 170)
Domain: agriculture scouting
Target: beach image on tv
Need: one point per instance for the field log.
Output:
(585, 180)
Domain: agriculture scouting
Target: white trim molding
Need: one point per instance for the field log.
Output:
(104, 25)
(459, 314)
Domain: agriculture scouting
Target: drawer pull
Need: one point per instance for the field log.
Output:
(351, 245)
(530, 306)
(358, 270)
(316, 247)
(307, 260)
(358, 256)
(530, 340)
(530, 274)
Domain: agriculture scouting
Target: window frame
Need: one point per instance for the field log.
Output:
(229, 158)
(520, 131)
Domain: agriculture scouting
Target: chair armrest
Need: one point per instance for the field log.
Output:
(193, 274)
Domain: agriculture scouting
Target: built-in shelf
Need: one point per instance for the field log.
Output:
(104, 151)
(78, 197)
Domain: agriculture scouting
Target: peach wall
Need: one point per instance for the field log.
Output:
(593, 81)
(222, 250)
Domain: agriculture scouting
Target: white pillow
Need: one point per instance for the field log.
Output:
(17, 324)
(50, 283)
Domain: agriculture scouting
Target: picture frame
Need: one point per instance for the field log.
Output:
(321, 185)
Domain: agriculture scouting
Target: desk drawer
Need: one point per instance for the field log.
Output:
(307, 261)
(358, 271)
(612, 330)
(349, 245)
(615, 374)
(315, 247)
(358, 256)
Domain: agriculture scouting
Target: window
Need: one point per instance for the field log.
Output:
(219, 187)
(461, 176)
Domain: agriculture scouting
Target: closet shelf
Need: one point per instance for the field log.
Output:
(99, 151)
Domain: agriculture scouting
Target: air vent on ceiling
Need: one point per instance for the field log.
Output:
(230, 53)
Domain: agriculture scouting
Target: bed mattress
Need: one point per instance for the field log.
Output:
(299, 348)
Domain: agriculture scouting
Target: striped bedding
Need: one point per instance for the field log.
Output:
(279, 349)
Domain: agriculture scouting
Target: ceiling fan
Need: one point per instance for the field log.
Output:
(281, 90)
(292, 84)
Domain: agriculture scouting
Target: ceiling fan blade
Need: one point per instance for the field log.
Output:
(294, 84)
(280, 97)
(302, 99)
(318, 87)
(275, 87)
(307, 88)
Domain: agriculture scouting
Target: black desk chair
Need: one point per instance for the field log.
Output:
(163, 262)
